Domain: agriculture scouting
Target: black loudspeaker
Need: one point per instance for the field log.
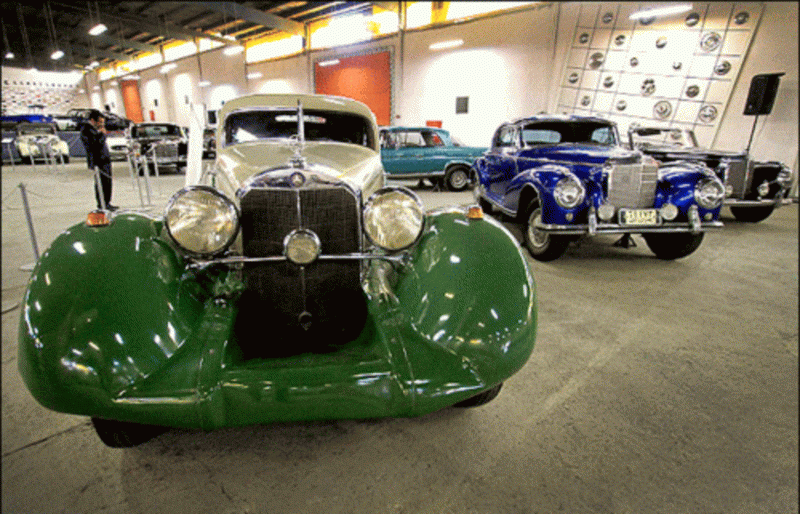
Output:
(763, 89)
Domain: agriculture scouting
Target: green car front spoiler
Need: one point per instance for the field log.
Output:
(115, 324)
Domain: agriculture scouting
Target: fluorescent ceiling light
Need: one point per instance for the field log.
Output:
(168, 67)
(332, 62)
(233, 50)
(114, 83)
(97, 29)
(204, 83)
(255, 75)
(660, 11)
(447, 44)
(9, 55)
(58, 54)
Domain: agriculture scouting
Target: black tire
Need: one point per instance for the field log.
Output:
(124, 434)
(752, 214)
(542, 247)
(457, 178)
(481, 398)
(485, 204)
(673, 246)
(65, 158)
(27, 160)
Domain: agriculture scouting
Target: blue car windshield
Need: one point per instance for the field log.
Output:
(557, 132)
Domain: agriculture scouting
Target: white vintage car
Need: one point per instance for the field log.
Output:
(285, 284)
(35, 140)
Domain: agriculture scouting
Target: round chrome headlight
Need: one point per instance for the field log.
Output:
(709, 193)
(201, 220)
(393, 218)
(605, 212)
(569, 192)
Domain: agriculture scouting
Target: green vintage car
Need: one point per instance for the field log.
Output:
(427, 153)
(288, 284)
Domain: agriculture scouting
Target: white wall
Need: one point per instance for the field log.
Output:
(509, 66)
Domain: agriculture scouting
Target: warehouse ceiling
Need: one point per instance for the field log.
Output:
(34, 30)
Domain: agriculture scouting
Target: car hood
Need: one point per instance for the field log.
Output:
(359, 166)
(582, 153)
(690, 153)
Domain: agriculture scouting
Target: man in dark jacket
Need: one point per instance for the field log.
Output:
(93, 136)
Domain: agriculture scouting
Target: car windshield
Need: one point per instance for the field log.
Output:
(556, 132)
(681, 138)
(155, 131)
(251, 126)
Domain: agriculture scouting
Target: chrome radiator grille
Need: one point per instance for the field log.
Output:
(166, 149)
(738, 177)
(319, 301)
(632, 185)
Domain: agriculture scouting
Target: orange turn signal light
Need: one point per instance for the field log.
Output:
(98, 218)
(475, 213)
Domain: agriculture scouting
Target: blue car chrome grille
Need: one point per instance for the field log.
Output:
(632, 185)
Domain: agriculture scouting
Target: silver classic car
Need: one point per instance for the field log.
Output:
(752, 189)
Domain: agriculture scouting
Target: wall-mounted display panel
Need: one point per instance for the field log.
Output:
(678, 70)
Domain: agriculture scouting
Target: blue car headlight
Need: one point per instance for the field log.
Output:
(709, 193)
(569, 192)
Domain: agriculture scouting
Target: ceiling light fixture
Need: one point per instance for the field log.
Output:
(447, 44)
(660, 11)
(255, 75)
(332, 62)
(9, 55)
(168, 67)
(233, 50)
(97, 29)
(204, 83)
(58, 54)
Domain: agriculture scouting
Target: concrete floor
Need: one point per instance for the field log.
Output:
(655, 387)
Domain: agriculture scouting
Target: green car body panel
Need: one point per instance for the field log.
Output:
(116, 325)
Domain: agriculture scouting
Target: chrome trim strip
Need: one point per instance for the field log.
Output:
(414, 176)
(396, 258)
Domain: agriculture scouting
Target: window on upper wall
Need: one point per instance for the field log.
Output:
(273, 49)
(461, 10)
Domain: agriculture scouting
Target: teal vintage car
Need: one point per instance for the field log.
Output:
(427, 153)
(288, 283)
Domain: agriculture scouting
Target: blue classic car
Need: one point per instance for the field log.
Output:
(427, 153)
(568, 176)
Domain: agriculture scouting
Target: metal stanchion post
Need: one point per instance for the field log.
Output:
(30, 155)
(133, 163)
(99, 188)
(23, 192)
(147, 180)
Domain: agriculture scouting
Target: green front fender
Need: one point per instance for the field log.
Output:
(105, 308)
(114, 325)
(469, 309)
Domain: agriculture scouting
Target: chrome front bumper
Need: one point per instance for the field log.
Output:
(695, 225)
(778, 201)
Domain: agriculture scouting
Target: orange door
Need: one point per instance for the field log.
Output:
(366, 78)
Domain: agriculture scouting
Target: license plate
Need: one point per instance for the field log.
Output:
(639, 217)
